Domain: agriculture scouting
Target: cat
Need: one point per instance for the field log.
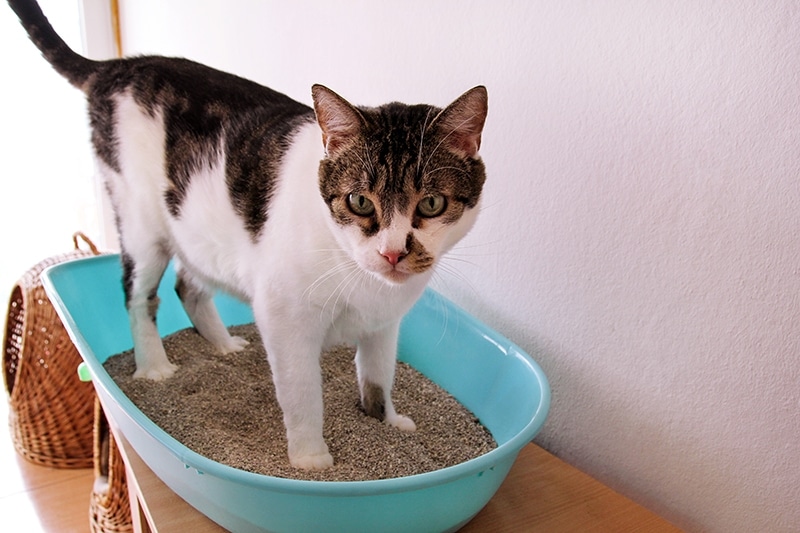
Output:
(328, 220)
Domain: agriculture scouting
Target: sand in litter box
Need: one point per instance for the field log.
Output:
(224, 407)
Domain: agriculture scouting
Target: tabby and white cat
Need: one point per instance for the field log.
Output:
(328, 221)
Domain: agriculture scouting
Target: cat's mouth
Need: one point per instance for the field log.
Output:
(396, 276)
(398, 268)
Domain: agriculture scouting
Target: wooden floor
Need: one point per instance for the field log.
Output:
(37, 499)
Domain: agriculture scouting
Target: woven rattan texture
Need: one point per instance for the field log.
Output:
(51, 414)
(109, 506)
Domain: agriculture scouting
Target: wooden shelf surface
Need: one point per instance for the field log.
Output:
(541, 493)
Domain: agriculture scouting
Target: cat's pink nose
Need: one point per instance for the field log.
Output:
(393, 257)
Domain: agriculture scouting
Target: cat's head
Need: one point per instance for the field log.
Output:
(402, 182)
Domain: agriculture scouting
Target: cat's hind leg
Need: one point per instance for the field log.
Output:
(140, 280)
(376, 358)
(199, 305)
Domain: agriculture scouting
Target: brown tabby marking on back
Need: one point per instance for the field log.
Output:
(198, 127)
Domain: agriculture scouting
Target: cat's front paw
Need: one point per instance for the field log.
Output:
(233, 344)
(156, 372)
(319, 461)
(403, 423)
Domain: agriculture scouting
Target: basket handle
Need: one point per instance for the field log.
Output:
(85, 239)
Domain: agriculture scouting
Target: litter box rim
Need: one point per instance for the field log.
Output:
(505, 452)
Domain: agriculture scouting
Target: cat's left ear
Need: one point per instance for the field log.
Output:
(461, 123)
(340, 122)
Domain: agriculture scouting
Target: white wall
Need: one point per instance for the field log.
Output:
(640, 231)
(46, 187)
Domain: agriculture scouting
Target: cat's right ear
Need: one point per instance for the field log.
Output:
(340, 122)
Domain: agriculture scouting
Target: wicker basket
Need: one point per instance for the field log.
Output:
(50, 410)
(109, 506)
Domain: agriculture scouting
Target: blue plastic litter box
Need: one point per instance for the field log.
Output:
(486, 372)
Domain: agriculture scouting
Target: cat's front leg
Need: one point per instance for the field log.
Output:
(376, 358)
(293, 350)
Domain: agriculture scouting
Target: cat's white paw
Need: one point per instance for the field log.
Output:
(155, 372)
(403, 423)
(319, 461)
(233, 344)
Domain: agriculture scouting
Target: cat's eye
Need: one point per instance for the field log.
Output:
(432, 206)
(360, 205)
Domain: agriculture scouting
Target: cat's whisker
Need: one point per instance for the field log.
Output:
(446, 272)
(422, 140)
(338, 290)
(328, 260)
(460, 260)
(456, 169)
(360, 280)
(439, 230)
(325, 276)
(321, 250)
(365, 160)
(443, 311)
(368, 160)
(462, 254)
(462, 246)
(485, 207)
(386, 288)
(324, 307)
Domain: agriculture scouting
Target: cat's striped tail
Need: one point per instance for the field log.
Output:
(73, 66)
